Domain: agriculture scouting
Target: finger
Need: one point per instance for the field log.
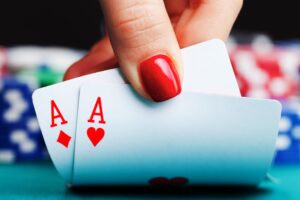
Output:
(206, 19)
(175, 8)
(100, 58)
(145, 45)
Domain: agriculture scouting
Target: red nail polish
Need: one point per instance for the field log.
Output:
(160, 78)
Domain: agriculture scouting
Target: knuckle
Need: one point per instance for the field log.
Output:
(140, 24)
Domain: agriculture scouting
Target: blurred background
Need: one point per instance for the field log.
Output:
(40, 39)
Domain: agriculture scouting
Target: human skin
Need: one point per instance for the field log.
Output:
(144, 38)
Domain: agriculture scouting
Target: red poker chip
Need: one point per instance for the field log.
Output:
(266, 74)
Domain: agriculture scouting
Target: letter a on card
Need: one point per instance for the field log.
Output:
(98, 104)
(53, 116)
(95, 135)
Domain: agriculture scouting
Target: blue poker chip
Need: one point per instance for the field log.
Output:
(288, 141)
(24, 140)
(15, 102)
(24, 147)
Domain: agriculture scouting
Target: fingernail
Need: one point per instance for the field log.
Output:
(160, 78)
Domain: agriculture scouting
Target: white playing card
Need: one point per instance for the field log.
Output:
(60, 145)
(207, 59)
(122, 138)
(211, 70)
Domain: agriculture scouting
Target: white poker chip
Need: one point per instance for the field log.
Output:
(32, 57)
(283, 142)
(59, 59)
(7, 156)
(25, 57)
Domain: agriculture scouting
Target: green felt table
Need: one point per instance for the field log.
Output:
(41, 181)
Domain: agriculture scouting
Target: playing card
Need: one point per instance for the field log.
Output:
(59, 102)
(195, 138)
(56, 109)
(207, 69)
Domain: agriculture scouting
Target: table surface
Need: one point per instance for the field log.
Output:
(40, 181)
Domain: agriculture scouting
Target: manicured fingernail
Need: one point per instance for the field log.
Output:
(160, 78)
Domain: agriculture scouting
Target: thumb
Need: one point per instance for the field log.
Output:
(145, 45)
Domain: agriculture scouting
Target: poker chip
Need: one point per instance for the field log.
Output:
(41, 77)
(20, 136)
(272, 74)
(61, 58)
(288, 141)
(31, 57)
(15, 101)
(22, 70)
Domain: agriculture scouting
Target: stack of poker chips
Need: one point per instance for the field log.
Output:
(39, 65)
(288, 142)
(267, 70)
(23, 69)
(20, 136)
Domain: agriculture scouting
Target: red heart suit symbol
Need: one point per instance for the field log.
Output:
(95, 135)
(163, 181)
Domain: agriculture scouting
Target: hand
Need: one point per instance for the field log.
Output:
(145, 36)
